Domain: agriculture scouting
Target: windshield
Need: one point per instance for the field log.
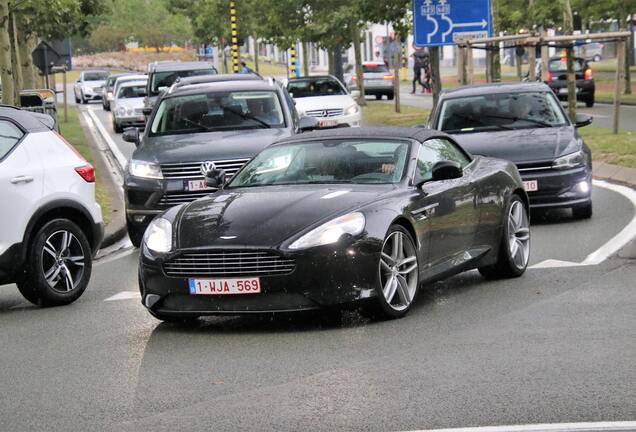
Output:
(316, 87)
(500, 112)
(95, 76)
(560, 65)
(379, 68)
(219, 111)
(128, 92)
(166, 79)
(346, 161)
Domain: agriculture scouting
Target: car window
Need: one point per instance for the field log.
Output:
(559, 65)
(218, 111)
(131, 92)
(9, 137)
(379, 68)
(342, 161)
(315, 87)
(95, 76)
(166, 79)
(503, 111)
(436, 150)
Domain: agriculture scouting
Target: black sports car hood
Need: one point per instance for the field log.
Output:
(522, 145)
(267, 216)
(211, 145)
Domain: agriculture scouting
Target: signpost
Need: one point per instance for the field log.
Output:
(445, 22)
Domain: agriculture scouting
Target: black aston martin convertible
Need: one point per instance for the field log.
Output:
(336, 218)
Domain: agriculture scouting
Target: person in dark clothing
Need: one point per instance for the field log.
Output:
(420, 61)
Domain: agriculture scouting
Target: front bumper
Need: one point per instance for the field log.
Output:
(560, 188)
(352, 120)
(135, 120)
(92, 96)
(335, 275)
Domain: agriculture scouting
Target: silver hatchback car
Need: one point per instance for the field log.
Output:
(378, 80)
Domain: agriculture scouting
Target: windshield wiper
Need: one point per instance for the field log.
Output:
(248, 117)
(197, 124)
(515, 119)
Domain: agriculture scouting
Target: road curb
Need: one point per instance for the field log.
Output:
(106, 161)
(615, 173)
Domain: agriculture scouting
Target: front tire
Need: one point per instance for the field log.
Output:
(514, 250)
(390, 96)
(59, 265)
(398, 275)
(136, 233)
(117, 128)
(589, 102)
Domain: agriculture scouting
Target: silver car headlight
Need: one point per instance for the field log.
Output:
(144, 170)
(120, 111)
(571, 160)
(158, 236)
(330, 232)
(353, 109)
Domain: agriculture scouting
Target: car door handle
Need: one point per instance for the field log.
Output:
(21, 179)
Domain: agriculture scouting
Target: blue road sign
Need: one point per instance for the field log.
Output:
(444, 22)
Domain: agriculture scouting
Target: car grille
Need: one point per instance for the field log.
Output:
(97, 89)
(230, 263)
(333, 112)
(171, 199)
(534, 166)
(192, 170)
(138, 111)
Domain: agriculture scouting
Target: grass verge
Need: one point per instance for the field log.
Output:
(383, 114)
(74, 133)
(614, 149)
(608, 97)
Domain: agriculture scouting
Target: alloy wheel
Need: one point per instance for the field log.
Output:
(519, 234)
(62, 261)
(398, 270)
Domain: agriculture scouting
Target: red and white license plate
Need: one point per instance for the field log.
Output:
(531, 185)
(328, 123)
(194, 185)
(225, 286)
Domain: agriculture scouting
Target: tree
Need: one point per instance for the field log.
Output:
(6, 70)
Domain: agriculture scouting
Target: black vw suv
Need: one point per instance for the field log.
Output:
(196, 128)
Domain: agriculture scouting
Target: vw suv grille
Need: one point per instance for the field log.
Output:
(192, 170)
(228, 263)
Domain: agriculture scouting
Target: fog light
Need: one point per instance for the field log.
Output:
(584, 187)
(140, 218)
(151, 299)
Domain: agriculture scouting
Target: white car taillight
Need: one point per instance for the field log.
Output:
(87, 172)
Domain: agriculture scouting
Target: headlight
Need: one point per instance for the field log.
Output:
(145, 170)
(330, 232)
(158, 236)
(571, 160)
(109, 95)
(120, 111)
(353, 109)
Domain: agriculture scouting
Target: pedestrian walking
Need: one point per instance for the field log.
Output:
(420, 62)
(245, 69)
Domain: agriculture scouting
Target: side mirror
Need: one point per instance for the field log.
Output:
(146, 111)
(447, 170)
(215, 178)
(582, 120)
(308, 124)
(131, 135)
(355, 94)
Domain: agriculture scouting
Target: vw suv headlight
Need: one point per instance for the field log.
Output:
(144, 170)
(330, 232)
(353, 109)
(158, 236)
(571, 160)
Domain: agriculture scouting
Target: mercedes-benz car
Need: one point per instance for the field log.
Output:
(89, 86)
(526, 124)
(337, 218)
(221, 123)
(325, 98)
(128, 105)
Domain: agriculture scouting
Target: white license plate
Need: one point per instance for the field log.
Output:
(531, 185)
(194, 185)
(564, 91)
(231, 286)
(328, 123)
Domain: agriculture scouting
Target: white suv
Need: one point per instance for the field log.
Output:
(50, 224)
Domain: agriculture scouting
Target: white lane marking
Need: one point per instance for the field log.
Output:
(552, 427)
(613, 245)
(114, 171)
(124, 295)
(115, 254)
(121, 159)
(334, 194)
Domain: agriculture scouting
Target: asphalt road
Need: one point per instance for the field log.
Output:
(557, 345)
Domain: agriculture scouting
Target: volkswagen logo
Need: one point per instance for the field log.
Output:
(206, 167)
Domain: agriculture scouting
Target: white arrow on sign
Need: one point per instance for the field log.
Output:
(434, 32)
(452, 26)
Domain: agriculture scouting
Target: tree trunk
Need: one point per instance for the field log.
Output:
(495, 57)
(256, 48)
(569, 51)
(628, 47)
(8, 96)
(397, 50)
(436, 78)
(330, 61)
(24, 54)
(355, 37)
(15, 59)
(305, 58)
